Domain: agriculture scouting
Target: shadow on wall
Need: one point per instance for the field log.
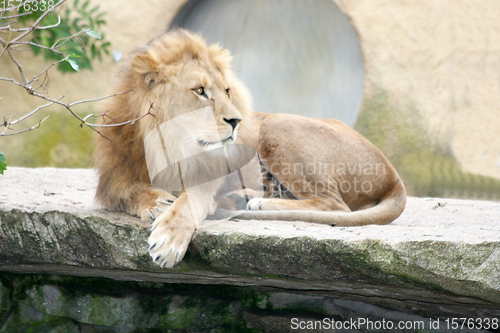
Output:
(427, 169)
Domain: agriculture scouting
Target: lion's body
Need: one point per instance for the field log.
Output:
(330, 169)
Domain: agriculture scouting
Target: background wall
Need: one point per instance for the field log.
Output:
(295, 56)
(431, 88)
(441, 59)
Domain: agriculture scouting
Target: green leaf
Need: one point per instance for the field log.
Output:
(73, 64)
(75, 24)
(3, 163)
(85, 4)
(94, 9)
(271, 228)
(94, 33)
(100, 15)
(90, 44)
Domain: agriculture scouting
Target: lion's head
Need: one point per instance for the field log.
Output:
(178, 73)
(198, 103)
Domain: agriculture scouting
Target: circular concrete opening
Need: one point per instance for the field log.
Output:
(295, 56)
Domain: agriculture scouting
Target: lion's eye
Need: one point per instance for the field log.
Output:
(200, 91)
(227, 91)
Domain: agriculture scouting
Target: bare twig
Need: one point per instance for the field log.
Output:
(13, 44)
(55, 46)
(149, 113)
(38, 45)
(104, 114)
(11, 80)
(46, 70)
(100, 98)
(4, 43)
(27, 129)
(39, 28)
(83, 120)
(37, 22)
(14, 16)
(29, 114)
(20, 68)
(131, 122)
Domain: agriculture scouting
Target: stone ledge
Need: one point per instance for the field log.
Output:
(444, 252)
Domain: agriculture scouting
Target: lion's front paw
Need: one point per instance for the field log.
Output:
(169, 239)
(151, 214)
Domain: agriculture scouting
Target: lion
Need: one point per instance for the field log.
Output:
(177, 73)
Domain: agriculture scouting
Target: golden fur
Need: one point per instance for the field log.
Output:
(166, 76)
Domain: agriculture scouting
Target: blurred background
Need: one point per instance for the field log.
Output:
(419, 79)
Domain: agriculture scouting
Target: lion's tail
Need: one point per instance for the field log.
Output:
(386, 211)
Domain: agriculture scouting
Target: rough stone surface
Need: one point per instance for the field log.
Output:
(440, 257)
(41, 303)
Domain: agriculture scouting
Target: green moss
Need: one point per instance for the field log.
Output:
(58, 142)
(426, 167)
(58, 301)
(25, 319)
(391, 265)
(5, 300)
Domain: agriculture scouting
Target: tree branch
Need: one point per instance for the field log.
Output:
(6, 124)
(14, 16)
(40, 46)
(25, 130)
(10, 45)
(100, 98)
(37, 22)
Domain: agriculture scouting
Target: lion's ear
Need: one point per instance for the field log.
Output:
(150, 79)
(143, 64)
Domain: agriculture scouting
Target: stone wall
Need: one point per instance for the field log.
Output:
(80, 267)
(440, 59)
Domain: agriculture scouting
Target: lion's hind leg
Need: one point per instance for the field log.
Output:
(295, 163)
(314, 194)
(237, 199)
(314, 204)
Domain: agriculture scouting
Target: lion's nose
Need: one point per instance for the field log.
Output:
(233, 122)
